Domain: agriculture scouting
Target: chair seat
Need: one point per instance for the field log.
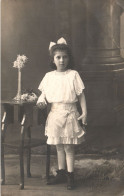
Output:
(33, 142)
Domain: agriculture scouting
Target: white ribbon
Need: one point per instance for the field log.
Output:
(60, 41)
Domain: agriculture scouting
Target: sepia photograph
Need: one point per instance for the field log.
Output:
(62, 97)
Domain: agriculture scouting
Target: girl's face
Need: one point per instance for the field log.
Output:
(61, 60)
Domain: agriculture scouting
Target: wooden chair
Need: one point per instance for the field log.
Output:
(25, 115)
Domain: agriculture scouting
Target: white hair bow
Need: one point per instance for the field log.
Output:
(60, 41)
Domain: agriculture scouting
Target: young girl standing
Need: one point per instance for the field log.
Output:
(63, 88)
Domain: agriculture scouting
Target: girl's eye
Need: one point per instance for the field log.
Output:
(58, 57)
(64, 57)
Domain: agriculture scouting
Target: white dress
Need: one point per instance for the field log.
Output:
(62, 89)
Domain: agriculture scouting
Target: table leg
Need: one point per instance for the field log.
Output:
(48, 162)
(3, 128)
(2, 163)
(29, 152)
(21, 153)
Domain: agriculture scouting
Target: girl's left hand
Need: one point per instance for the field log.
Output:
(83, 117)
(41, 105)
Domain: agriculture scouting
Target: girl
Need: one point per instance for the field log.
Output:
(63, 88)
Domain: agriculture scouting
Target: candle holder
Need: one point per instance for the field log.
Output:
(19, 63)
(18, 96)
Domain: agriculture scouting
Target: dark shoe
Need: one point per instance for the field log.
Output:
(59, 178)
(70, 180)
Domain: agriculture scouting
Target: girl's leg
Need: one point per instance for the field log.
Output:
(61, 156)
(69, 149)
(70, 156)
(61, 174)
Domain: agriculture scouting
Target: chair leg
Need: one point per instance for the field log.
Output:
(29, 152)
(48, 162)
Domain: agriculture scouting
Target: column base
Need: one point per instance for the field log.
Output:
(104, 94)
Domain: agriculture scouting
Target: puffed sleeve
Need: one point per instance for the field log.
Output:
(43, 84)
(42, 97)
(78, 84)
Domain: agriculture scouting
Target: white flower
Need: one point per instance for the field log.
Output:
(28, 97)
(24, 96)
(20, 61)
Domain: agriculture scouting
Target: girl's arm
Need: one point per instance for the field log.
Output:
(41, 102)
(82, 101)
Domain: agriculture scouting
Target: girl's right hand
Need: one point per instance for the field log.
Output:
(41, 105)
(83, 118)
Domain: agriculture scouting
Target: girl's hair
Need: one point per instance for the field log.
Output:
(61, 47)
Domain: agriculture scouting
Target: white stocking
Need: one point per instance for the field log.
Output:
(69, 150)
(61, 156)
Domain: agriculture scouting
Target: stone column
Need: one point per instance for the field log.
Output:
(103, 35)
(102, 68)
